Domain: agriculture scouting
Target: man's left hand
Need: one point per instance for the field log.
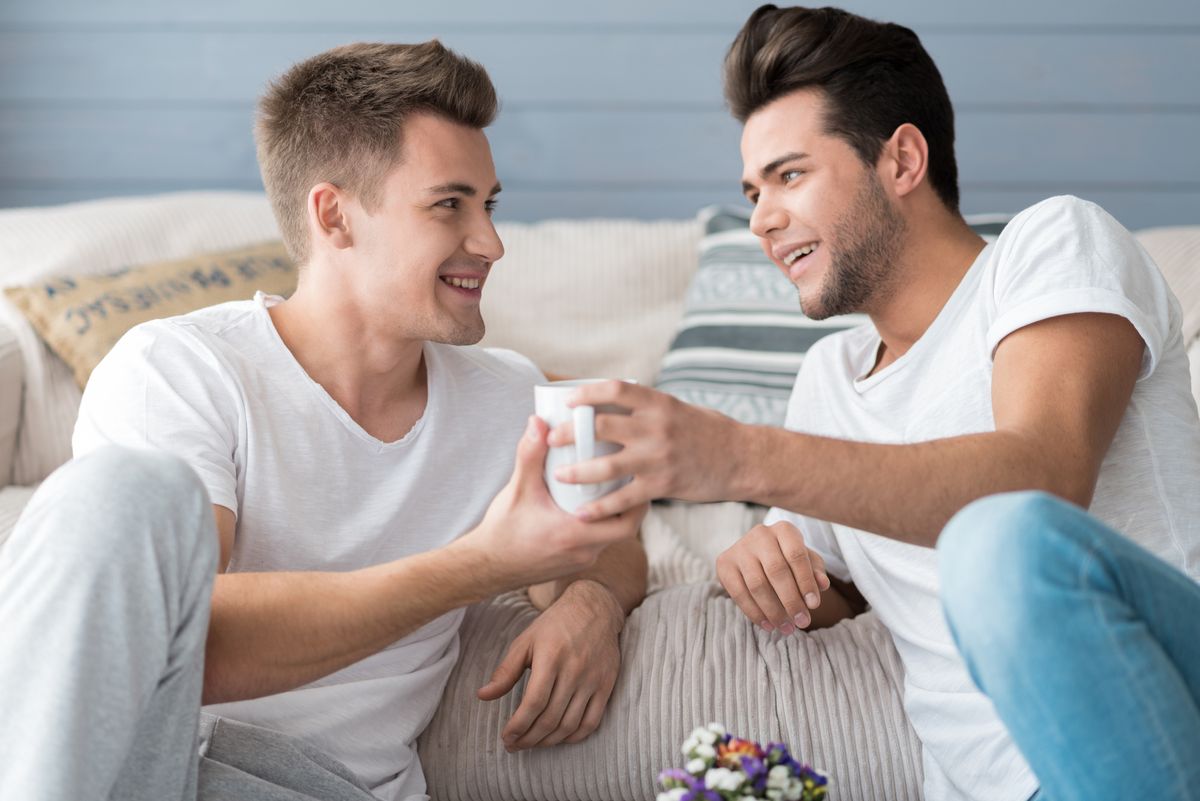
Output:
(573, 653)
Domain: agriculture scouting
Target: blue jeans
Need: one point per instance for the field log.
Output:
(1088, 645)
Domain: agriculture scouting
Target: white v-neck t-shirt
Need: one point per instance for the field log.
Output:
(1062, 256)
(313, 491)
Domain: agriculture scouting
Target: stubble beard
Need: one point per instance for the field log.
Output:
(862, 269)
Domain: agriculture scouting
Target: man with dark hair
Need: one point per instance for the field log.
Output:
(1021, 382)
(332, 459)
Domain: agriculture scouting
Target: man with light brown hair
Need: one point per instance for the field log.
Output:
(332, 458)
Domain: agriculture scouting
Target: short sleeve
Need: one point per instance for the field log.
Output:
(161, 388)
(1069, 256)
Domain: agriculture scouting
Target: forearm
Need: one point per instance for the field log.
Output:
(906, 492)
(272, 632)
(621, 569)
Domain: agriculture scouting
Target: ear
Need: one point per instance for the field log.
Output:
(328, 216)
(905, 160)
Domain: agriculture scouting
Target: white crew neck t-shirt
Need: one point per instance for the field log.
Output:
(1062, 256)
(313, 491)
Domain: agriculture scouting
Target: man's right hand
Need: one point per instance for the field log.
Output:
(524, 536)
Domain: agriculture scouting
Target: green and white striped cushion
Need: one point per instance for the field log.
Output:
(743, 337)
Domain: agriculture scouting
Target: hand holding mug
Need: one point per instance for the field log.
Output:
(671, 448)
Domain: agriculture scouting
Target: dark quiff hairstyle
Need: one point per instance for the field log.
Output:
(874, 76)
(339, 117)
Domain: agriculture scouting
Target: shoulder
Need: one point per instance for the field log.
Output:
(1065, 225)
(188, 344)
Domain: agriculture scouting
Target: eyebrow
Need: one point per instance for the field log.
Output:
(766, 171)
(461, 188)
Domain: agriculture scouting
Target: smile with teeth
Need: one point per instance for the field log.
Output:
(797, 253)
(463, 283)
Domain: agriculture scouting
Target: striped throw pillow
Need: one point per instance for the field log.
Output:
(743, 337)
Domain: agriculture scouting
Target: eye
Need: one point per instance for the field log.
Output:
(490, 206)
(448, 203)
(790, 175)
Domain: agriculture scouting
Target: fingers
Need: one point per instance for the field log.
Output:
(566, 726)
(538, 693)
(731, 579)
(628, 499)
(508, 672)
(773, 577)
(618, 428)
(531, 452)
(591, 717)
(621, 393)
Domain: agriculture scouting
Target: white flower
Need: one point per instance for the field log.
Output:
(689, 745)
(717, 729)
(774, 794)
(777, 777)
(705, 751)
(672, 795)
(705, 736)
(794, 790)
(696, 767)
(747, 798)
(723, 779)
(696, 732)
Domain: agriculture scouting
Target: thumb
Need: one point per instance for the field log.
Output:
(531, 451)
(507, 673)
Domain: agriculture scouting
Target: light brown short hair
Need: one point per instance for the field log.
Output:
(338, 117)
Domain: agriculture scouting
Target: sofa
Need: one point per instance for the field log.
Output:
(581, 298)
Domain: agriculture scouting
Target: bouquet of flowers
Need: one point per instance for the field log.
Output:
(722, 767)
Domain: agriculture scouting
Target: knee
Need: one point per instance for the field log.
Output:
(112, 498)
(992, 556)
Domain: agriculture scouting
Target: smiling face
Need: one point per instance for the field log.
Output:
(822, 215)
(421, 257)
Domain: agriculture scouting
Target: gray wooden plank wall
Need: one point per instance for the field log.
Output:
(609, 109)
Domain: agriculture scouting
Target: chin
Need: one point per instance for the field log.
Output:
(460, 335)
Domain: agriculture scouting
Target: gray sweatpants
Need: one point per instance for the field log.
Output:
(104, 600)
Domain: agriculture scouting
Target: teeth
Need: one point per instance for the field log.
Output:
(797, 253)
(465, 283)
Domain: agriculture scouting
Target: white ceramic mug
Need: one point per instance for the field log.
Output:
(550, 404)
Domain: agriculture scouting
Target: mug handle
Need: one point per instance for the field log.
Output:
(584, 418)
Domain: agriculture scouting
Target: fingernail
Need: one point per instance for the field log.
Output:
(562, 473)
(801, 620)
(786, 629)
(531, 428)
(584, 513)
(766, 625)
(812, 599)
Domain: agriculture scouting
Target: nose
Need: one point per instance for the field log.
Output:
(484, 242)
(767, 216)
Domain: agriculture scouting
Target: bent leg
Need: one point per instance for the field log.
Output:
(1086, 643)
(104, 597)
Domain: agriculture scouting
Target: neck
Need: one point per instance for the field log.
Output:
(933, 261)
(367, 369)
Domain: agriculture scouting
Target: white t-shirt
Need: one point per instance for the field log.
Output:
(1059, 257)
(313, 491)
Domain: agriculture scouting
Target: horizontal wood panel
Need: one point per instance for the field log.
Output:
(582, 147)
(673, 13)
(546, 69)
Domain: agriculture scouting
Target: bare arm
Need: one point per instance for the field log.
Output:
(620, 571)
(1059, 390)
(272, 632)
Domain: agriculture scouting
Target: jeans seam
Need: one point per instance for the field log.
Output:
(1091, 558)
